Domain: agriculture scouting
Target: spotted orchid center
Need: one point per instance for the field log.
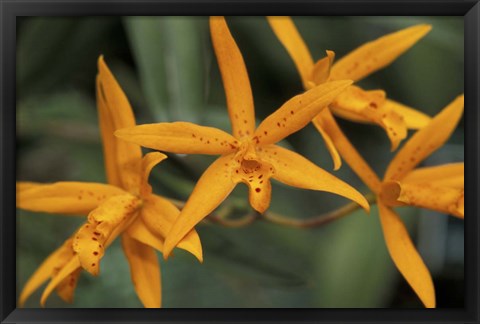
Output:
(248, 167)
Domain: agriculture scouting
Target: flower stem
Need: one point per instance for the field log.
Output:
(316, 221)
(221, 216)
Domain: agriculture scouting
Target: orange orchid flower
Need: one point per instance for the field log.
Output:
(125, 206)
(249, 154)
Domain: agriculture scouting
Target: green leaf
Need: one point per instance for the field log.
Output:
(169, 55)
(185, 61)
(52, 50)
(149, 49)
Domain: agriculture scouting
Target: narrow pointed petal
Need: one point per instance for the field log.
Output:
(447, 175)
(24, 185)
(116, 113)
(426, 141)
(320, 123)
(54, 261)
(148, 162)
(66, 288)
(321, 70)
(109, 142)
(405, 255)
(297, 112)
(414, 119)
(426, 195)
(70, 198)
(211, 190)
(368, 106)
(103, 225)
(295, 170)
(348, 152)
(235, 79)
(159, 214)
(287, 33)
(140, 232)
(68, 269)
(180, 137)
(374, 55)
(144, 271)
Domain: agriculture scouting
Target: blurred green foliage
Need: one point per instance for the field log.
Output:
(167, 68)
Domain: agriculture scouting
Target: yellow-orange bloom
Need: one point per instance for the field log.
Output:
(355, 103)
(126, 206)
(439, 188)
(249, 154)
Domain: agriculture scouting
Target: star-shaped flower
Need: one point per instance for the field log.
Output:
(126, 206)
(355, 103)
(249, 156)
(439, 188)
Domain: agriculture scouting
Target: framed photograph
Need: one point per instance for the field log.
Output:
(239, 162)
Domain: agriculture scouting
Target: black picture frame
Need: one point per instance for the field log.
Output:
(10, 10)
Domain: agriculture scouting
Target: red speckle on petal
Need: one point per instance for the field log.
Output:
(258, 189)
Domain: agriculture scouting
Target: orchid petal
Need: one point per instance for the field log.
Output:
(287, 33)
(377, 54)
(405, 255)
(71, 198)
(321, 70)
(144, 270)
(180, 137)
(256, 174)
(297, 112)
(320, 124)
(68, 269)
(235, 79)
(447, 175)
(24, 185)
(66, 288)
(109, 142)
(426, 195)
(115, 113)
(103, 225)
(140, 232)
(414, 119)
(347, 150)
(295, 170)
(368, 106)
(211, 190)
(159, 214)
(425, 141)
(148, 162)
(52, 263)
